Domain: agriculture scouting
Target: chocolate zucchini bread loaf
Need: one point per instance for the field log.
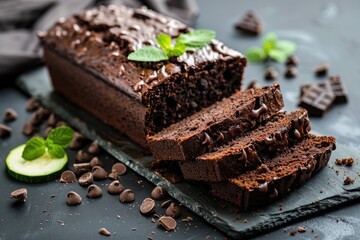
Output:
(250, 149)
(87, 59)
(216, 124)
(276, 177)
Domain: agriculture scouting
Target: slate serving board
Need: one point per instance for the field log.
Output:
(324, 191)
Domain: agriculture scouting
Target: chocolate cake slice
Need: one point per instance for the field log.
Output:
(216, 124)
(86, 55)
(249, 150)
(276, 177)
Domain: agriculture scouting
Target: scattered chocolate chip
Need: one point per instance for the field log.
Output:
(47, 131)
(174, 210)
(166, 203)
(77, 142)
(290, 72)
(292, 61)
(293, 232)
(81, 168)
(32, 104)
(61, 123)
(94, 191)
(345, 161)
(73, 198)
(99, 173)
(94, 148)
(35, 119)
(51, 121)
(348, 180)
(147, 206)
(119, 168)
(321, 70)
(86, 179)
(68, 176)
(28, 128)
(113, 176)
(253, 84)
(5, 131)
(95, 161)
(115, 187)
(168, 223)
(250, 24)
(43, 113)
(104, 231)
(82, 156)
(19, 195)
(127, 196)
(158, 193)
(10, 115)
(271, 74)
(301, 229)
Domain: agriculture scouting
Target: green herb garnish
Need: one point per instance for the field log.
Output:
(184, 42)
(272, 48)
(57, 140)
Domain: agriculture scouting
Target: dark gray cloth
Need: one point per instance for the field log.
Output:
(20, 21)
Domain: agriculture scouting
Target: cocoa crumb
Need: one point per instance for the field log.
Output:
(292, 232)
(345, 161)
(348, 180)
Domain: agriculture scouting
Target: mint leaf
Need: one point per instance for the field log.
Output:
(178, 50)
(56, 151)
(286, 47)
(277, 55)
(148, 54)
(255, 54)
(34, 148)
(269, 42)
(197, 38)
(61, 136)
(164, 40)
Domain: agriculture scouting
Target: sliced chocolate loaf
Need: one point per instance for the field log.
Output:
(276, 177)
(249, 150)
(217, 124)
(87, 59)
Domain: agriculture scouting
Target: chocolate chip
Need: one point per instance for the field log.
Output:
(77, 141)
(51, 121)
(253, 84)
(158, 193)
(61, 123)
(73, 198)
(119, 168)
(82, 156)
(94, 148)
(301, 229)
(86, 179)
(81, 167)
(207, 139)
(321, 70)
(174, 210)
(292, 61)
(28, 128)
(68, 176)
(5, 131)
(147, 206)
(47, 131)
(9, 115)
(99, 173)
(115, 188)
(112, 176)
(32, 104)
(250, 24)
(95, 161)
(35, 119)
(168, 223)
(104, 231)
(19, 195)
(94, 191)
(127, 196)
(166, 203)
(271, 74)
(290, 72)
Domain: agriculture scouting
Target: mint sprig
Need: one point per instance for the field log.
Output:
(184, 42)
(57, 140)
(272, 48)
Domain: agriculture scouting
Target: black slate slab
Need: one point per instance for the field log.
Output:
(324, 191)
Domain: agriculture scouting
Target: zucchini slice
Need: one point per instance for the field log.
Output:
(41, 169)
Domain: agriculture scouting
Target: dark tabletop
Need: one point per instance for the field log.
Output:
(325, 32)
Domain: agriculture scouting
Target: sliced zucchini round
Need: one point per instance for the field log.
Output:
(41, 169)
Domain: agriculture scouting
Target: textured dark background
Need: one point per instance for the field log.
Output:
(325, 31)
